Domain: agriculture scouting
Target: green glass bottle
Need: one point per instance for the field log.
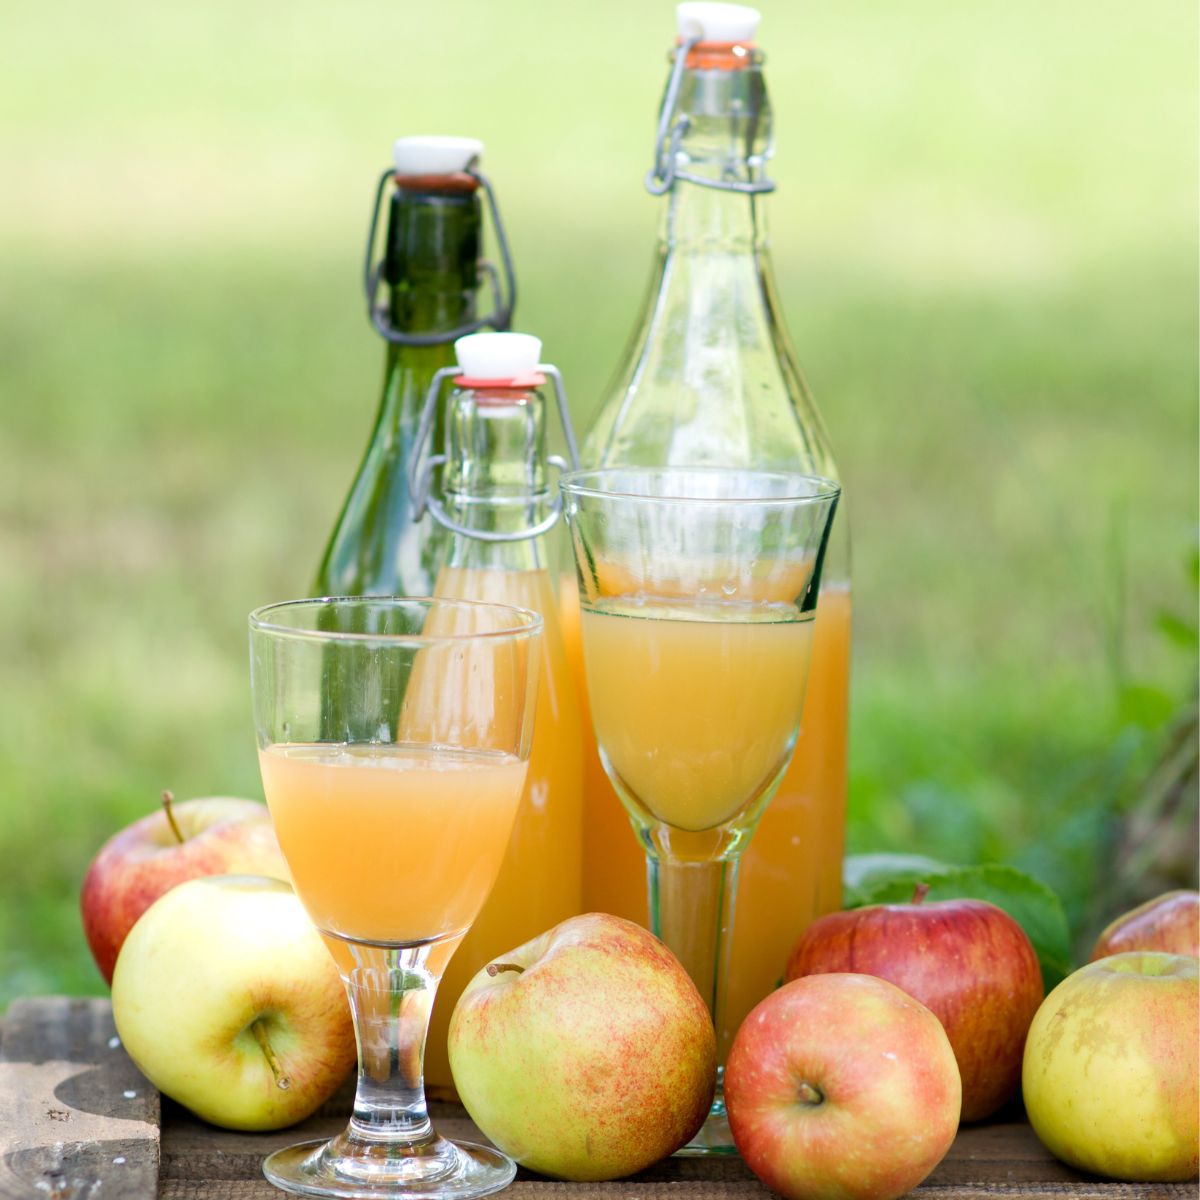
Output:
(709, 377)
(432, 271)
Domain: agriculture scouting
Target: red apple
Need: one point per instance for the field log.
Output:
(842, 1086)
(587, 1053)
(1170, 923)
(218, 835)
(967, 961)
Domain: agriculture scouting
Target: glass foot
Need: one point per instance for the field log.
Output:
(714, 1136)
(376, 1170)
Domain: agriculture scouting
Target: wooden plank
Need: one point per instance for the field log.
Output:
(192, 1150)
(1095, 1189)
(1004, 1151)
(994, 1160)
(260, 1189)
(1004, 1157)
(990, 1161)
(78, 1121)
(71, 1103)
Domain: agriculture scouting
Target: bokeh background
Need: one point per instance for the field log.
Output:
(985, 237)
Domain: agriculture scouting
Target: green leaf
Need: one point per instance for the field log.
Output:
(1177, 630)
(863, 873)
(1144, 706)
(1027, 900)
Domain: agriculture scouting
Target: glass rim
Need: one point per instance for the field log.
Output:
(530, 622)
(573, 482)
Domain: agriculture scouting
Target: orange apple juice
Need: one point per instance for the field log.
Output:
(540, 880)
(614, 863)
(391, 844)
(696, 706)
(791, 872)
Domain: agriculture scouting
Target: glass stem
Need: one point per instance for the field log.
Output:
(691, 910)
(391, 992)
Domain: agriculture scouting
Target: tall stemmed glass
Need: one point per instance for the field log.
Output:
(698, 589)
(393, 741)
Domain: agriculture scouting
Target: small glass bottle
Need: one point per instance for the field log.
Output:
(497, 508)
(710, 378)
(433, 275)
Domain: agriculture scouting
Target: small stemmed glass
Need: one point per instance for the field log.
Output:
(393, 741)
(698, 589)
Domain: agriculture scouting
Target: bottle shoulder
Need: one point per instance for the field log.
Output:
(375, 546)
(710, 377)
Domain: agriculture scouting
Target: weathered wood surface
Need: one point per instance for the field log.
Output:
(72, 1105)
(77, 1119)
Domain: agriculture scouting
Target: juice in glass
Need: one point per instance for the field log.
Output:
(394, 737)
(391, 844)
(696, 707)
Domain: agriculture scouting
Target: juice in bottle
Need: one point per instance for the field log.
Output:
(614, 864)
(494, 488)
(791, 872)
(710, 379)
(387, 543)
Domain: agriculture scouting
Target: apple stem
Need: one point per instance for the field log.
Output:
(260, 1032)
(494, 969)
(810, 1094)
(167, 799)
(920, 892)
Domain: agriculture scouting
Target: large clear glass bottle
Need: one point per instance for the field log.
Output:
(431, 270)
(710, 378)
(494, 498)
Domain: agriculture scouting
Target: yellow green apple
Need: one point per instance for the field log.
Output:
(226, 998)
(1110, 1070)
(587, 1053)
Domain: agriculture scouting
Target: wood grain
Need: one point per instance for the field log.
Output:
(77, 1119)
(71, 1102)
(521, 1190)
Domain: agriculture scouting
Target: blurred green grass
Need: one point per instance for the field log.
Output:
(985, 238)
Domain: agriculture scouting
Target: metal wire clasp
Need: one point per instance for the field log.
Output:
(504, 298)
(668, 138)
(422, 466)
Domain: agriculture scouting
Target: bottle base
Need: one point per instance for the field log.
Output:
(714, 1136)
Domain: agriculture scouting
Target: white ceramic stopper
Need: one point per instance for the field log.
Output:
(498, 355)
(435, 155)
(717, 22)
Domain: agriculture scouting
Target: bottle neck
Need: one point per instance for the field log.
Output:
(494, 481)
(721, 127)
(431, 260)
(710, 377)
(706, 220)
(430, 268)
